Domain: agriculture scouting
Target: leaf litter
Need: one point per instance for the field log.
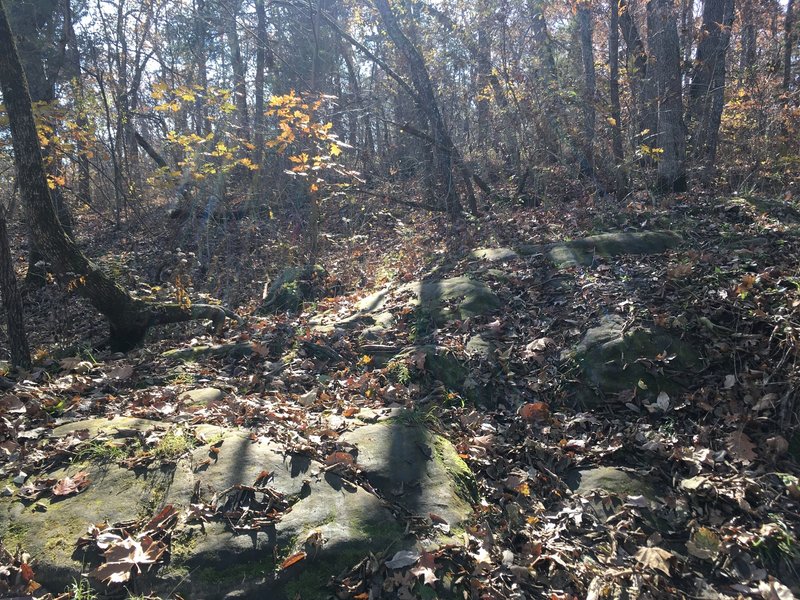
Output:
(721, 454)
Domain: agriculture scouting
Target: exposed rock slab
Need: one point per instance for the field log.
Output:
(584, 251)
(614, 358)
(416, 468)
(455, 298)
(211, 561)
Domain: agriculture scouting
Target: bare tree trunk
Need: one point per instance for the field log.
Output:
(262, 52)
(445, 152)
(202, 125)
(231, 12)
(84, 193)
(642, 84)
(129, 318)
(12, 302)
(590, 81)
(671, 131)
(621, 175)
(747, 59)
(706, 92)
(788, 46)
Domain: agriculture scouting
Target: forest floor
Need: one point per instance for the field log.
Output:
(700, 495)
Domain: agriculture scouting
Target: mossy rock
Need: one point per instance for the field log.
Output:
(613, 359)
(208, 562)
(606, 245)
(293, 287)
(437, 363)
(416, 468)
(194, 353)
(444, 300)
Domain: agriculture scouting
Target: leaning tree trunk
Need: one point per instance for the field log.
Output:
(12, 302)
(129, 318)
(446, 154)
(706, 92)
(666, 72)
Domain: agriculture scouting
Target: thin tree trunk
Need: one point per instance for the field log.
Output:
(788, 46)
(129, 318)
(12, 302)
(706, 92)
(237, 64)
(590, 81)
(444, 150)
(621, 175)
(671, 131)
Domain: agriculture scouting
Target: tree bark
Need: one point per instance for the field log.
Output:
(12, 302)
(621, 175)
(129, 318)
(445, 152)
(788, 46)
(671, 131)
(640, 77)
(231, 11)
(584, 16)
(706, 92)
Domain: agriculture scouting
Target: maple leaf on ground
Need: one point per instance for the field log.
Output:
(129, 554)
(655, 558)
(402, 559)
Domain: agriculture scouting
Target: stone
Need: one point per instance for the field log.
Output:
(479, 346)
(293, 287)
(610, 480)
(613, 359)
(607, 245)
(444, 300)
(193, 353)
(202, 396)
(494, 254)
(416, 468)
(438, 363)
(333, 520)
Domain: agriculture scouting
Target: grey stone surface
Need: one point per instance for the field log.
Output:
(614, 357)
(333, 520)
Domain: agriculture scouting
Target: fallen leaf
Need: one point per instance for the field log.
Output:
(129, 554)
(740, 447)
(402, 559)
(293, 560)
(72, 485)
(535, 412)
(340, 458)
(655, 558)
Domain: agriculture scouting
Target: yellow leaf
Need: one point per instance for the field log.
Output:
(335, 150)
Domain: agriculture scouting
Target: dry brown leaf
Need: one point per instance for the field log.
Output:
(72, 485)
(293, 560)
(740, 447)
(535, 412)
(655, 558)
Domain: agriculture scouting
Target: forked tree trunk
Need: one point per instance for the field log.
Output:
(666, 73)
(129, 318)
